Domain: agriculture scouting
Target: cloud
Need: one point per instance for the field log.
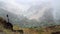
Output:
(22, 6)
(14, 7)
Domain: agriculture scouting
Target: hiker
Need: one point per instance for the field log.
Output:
(8, 25)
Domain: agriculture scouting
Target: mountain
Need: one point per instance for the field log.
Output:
(3, 14)
(29, 18)
(18, 19)
(38, 11)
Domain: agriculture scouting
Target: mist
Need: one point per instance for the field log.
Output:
(26, 8)
(35, 10)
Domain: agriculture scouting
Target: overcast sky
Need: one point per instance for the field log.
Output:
(21, 6)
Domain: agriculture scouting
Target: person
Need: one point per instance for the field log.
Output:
(7, 17)
(8, 25)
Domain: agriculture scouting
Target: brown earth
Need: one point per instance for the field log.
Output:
(44, 30)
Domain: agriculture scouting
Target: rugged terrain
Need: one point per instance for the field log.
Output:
(33, 30)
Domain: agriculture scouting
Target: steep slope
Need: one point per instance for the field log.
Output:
(38, 11)
(18, 19)
(13, 18)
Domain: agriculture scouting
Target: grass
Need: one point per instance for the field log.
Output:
(32, 30)
(28, 30)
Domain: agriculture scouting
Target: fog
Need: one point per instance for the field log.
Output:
(38, 10)
(26, 8)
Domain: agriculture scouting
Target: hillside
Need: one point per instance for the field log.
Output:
(3, 30)
(33, 30)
